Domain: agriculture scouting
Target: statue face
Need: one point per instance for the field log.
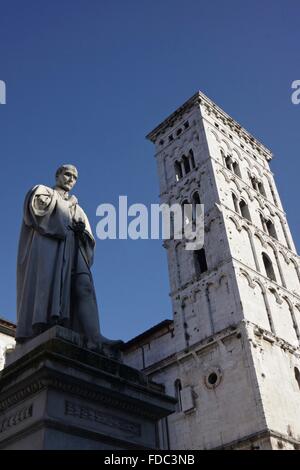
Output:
(66, 179)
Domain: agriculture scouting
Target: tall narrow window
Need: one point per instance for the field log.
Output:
(285, 234)
(263, 222)
(268, 267)
(235, 203)
(178, 171)
(273, 194)
(178, 388)
(297, 375)
(271, 229)
(186, 164)
(236, 169)
(253, 182)
(186, 212)
(200, 261)
(223, 157)
(261, 188)
(192, 159)
(228, 163)
(195, 201)
(245, 210)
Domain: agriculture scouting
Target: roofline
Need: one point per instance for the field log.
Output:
(7, 327)
(145, 334)
(199, 98)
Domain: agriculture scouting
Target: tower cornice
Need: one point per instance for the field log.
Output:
(211, 107)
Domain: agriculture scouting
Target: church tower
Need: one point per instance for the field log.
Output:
(231, 354)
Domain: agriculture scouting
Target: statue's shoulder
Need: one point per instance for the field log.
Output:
(40, 189)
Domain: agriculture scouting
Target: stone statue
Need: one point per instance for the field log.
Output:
(54, 280)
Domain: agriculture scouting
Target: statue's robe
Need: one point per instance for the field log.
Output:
(47, 250)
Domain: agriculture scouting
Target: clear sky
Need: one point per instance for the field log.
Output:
(88, 79)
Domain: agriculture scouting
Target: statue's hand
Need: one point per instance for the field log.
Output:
(42, 201)
(79, 228)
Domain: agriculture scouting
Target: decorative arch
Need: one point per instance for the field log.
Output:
(267, 306)
(296, 266)
(260, 202)
(176, 152)
(245, 195)
(276, 295)
(214, 133)
(285, 256)
(236, 183)
(193, 193)
(270, 209)
(227, 146)
(294, 262)
(236, 222)
(272, 190)
(184, 301)
(222, 276)
(248, 161)
(247, 276)
(261, 238)
(238, 154)
(226, 176)
(285, 297)
(256, 280)
(297, 306)
(272, 246)
(293, 317)
(257, 168)
(246, 190)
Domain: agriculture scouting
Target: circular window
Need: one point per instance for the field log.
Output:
(213, 377)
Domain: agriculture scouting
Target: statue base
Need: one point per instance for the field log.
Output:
(55, 394)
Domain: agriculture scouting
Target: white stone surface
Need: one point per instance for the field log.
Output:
(6, 342)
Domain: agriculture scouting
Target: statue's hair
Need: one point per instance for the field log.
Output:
(65, 167)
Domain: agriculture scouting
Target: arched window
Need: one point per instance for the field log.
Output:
(261, 188)
(235, 203)
(245, 210)
(273, 194)
(178, 388)
(228, 162)
(236, 169)
(297, 375)
(223, 157)
(285, 234)
(263, 222)
(186, 164)
(196, 198)
(271, 229)
(268, 267)
(295, 264)
(186, 212)
(178, 170)
(200, 261)
(192, 159)
(253, 182)
(195, 202)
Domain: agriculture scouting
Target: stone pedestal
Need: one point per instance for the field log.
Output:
(55, 394)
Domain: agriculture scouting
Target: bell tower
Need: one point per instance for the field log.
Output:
(236, 301)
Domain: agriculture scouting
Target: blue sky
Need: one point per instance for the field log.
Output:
(87, 80)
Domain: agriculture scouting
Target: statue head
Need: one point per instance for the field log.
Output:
(66, 177)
